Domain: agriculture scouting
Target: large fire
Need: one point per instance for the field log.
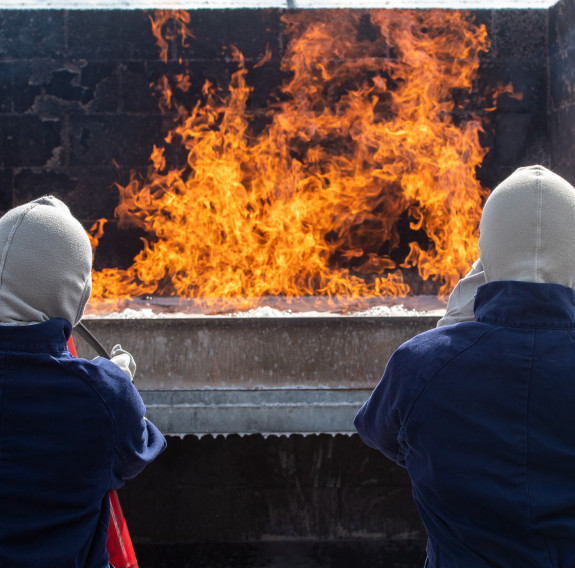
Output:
(366, 131)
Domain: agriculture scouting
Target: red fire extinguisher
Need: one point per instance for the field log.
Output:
(119, 544)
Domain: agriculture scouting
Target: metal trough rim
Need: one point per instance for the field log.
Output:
(281, 411)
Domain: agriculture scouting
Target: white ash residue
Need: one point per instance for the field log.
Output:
(263, 312)
(268, 307)
(143, 313)
(398, 310)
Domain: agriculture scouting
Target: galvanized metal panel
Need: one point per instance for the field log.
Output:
(277, 411)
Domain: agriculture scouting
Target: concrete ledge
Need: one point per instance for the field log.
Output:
(210, 353)
(275, 411)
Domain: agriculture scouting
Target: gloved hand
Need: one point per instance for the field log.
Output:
(124, 360)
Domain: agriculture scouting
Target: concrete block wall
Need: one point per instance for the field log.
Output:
(517, 134)
(77, 113)
(561, 87)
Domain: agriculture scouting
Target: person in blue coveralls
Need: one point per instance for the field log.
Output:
(481, 410)
(71, 429)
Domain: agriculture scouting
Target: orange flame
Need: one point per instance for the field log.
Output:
(162, 20)
(361, 135)
(96, 231)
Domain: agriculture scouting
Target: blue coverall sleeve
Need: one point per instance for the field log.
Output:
(380, 420)
(137, 441)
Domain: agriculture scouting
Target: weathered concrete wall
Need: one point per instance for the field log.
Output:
(76, 112)
(562, 93)
(518, 132)
(253, 353)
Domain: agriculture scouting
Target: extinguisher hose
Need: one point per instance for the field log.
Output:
(92, 340)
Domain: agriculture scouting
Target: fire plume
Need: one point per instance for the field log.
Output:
(367, 130)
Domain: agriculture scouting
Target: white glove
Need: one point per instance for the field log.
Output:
(124, 360)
